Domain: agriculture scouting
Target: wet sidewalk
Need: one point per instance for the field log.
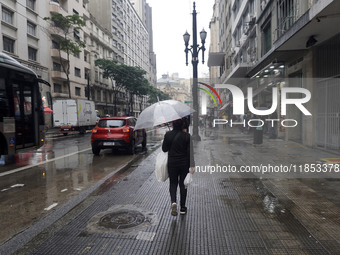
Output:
(227, 214)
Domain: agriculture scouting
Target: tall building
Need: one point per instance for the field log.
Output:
(285, 43)
(145, 13)
(78, 63)
(113, 30)
(132, 36)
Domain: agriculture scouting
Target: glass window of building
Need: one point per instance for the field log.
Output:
(32, 54)
(57, 88)
(30, 4)
(77, 91)
(77, 72)
(7, 16)
(8, 44)
(31, 28)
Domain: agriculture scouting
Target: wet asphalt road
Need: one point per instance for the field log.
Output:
(52, 175)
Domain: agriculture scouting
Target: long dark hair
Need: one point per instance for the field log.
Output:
(178, 124)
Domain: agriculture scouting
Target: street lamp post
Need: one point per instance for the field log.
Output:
(194, 49)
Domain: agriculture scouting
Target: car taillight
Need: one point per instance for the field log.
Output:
(126, 130)
(94, 130)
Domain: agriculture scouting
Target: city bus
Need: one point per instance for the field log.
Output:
(21, 108)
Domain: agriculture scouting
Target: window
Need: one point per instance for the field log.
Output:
(99, 96)
(76, 34)
(31, 28)
(286, 15)
(30, 4)
(77, 72)
(8, 44)
(111, 123)
(32, 54)
(87, 72)
(7, 16)
(56, 67)
(57, 88)
(77, 55)
(96, 76)
(267, 38)
(55, 45)
(77, 91)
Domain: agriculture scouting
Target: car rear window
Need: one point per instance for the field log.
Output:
(111, 123)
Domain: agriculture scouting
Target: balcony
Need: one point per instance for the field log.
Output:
(58, 75)
(56, 8)
(55, 54)
(56, 32)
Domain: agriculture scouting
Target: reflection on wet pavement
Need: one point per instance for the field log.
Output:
(51, 176)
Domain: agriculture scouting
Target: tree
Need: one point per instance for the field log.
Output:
(156, 95)
(126, 78)
(69, 42)
(115, 72)
(136, 84)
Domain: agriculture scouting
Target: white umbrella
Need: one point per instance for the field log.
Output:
(162, 112)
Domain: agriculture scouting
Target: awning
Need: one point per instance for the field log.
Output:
(216, 58)
(47, 109)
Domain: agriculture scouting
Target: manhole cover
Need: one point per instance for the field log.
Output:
(122, 220)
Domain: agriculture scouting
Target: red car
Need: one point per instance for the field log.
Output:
(117, 132)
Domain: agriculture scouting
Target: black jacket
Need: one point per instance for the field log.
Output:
(179, 146)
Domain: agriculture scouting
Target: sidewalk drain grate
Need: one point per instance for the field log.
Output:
(122, 219)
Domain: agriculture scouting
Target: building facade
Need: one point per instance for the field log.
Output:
(176, 87)
(285, 43)
(113, 30)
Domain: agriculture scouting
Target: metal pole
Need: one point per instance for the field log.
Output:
(195, 135)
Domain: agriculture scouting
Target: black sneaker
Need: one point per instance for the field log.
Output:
(183, 210)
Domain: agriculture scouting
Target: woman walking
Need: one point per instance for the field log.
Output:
(178, 144)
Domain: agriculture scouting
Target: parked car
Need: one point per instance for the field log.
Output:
(117, 132)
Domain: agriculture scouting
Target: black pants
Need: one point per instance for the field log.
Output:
(177, 176)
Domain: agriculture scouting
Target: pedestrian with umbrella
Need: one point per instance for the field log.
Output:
(177, 143)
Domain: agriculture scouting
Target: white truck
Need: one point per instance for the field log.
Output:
(74, 115)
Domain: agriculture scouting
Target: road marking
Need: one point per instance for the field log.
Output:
(51, 206)
(41, 163)
(13, 186)
(331, 160)
(17, 185)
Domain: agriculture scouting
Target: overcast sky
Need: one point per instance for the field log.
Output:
(171, 18)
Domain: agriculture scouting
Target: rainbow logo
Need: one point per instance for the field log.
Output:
(209, 93)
